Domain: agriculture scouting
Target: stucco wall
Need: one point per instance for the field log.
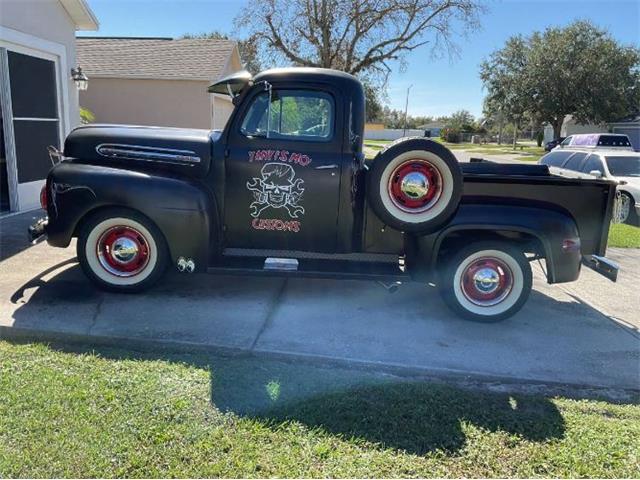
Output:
(48, 20)
(172, 103)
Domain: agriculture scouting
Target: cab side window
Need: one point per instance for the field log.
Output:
(292, 115)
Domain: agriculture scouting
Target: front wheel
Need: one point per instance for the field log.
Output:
(486, 282)
(121, 250)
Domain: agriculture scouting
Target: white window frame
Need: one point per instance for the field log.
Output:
(21, 196)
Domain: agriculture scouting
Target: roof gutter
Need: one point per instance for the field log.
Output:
(82, 16)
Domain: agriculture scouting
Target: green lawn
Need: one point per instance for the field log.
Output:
(118, 414)
(621, 235)
(527, 152)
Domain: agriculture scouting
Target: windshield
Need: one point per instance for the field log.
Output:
(624, 166)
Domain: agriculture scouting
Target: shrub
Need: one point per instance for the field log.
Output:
(450, 134)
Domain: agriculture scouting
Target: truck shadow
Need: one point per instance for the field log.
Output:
(385, 412)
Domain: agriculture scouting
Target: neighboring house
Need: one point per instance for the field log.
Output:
(432, 129)
(629, 126)
(571, 127)
(38, 97)
(157, 81)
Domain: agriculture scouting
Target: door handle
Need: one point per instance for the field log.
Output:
(333, 166)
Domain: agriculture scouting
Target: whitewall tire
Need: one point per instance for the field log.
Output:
(487, 281)
(415, 185)
(121, 250)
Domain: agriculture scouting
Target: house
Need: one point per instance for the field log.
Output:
(629, 126)
(432, 129)
(157, 81)
(38, 95)
(571, 127)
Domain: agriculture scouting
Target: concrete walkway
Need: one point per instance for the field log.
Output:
(583, 333)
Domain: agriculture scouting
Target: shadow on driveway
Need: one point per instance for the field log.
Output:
(553, 340)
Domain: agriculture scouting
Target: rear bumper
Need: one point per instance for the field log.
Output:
(38, 230)
(602, 265)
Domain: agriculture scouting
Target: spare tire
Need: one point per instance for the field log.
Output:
(415, 185)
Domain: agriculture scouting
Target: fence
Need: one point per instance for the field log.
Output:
(391, 134)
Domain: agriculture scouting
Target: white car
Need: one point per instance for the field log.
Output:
(620, 165)
(609, 141)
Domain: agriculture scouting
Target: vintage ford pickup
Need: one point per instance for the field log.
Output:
(285, 189)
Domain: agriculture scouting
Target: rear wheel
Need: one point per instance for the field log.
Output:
(627, 209)
(487, 281)
(121, 250)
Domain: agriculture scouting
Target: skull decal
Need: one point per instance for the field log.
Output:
(276, 189)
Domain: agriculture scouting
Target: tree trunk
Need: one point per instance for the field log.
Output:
(515, 134)
(500, 131)
(557, 128)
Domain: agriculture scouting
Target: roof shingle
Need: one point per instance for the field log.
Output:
(158, 58)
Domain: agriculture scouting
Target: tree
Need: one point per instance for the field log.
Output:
(462, 120)
(360, 37)
(247, 48)
(579, 70)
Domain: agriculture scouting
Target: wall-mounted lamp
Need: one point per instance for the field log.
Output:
(80, 79)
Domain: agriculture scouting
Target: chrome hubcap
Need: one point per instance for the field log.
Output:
(486, 280)
(415, 185)
(124, 250)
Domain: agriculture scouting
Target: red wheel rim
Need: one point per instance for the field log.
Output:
(486, 281)
(415, 186)
(123, 251)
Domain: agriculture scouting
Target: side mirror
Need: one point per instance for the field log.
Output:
(596, 173)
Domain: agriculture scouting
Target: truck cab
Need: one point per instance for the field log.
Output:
(292, 154)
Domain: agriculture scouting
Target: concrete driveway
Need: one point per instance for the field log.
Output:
(585, 333)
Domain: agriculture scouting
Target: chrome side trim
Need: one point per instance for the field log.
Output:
(147, 154)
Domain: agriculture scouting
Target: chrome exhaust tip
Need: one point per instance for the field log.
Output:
(181, 264)
(191, 266)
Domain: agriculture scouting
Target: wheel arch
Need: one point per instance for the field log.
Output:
(184, 211)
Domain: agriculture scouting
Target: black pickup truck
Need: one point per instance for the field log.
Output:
(285, 189)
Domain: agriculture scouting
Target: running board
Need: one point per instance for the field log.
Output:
(309, 268)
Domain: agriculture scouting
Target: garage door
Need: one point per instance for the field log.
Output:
(632, 133)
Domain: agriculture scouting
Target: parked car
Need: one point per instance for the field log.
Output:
(553, 144)
(618, 165)
(598, 140)
(284, 189)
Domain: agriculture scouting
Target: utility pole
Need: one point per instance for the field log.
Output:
(406, 106)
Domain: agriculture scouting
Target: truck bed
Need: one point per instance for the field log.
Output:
(587, 201)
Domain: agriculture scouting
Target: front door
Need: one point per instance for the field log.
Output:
(283, 171)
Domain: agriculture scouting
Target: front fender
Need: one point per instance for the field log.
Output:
(182, 209)
(549, 227)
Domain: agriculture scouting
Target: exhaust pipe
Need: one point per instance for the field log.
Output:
(186, 265)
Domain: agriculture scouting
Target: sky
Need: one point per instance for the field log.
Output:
(440, 86)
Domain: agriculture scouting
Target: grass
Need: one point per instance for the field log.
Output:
(66, 413)
(626, 236)
(527, 153)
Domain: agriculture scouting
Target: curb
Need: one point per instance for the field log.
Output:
(473, 379)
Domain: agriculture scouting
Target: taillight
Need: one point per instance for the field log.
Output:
(571, 245)
(43, 196)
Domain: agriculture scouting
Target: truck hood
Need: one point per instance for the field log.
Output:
(136, 146)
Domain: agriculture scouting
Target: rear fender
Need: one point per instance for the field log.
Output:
(183, 210)
(548, 227)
